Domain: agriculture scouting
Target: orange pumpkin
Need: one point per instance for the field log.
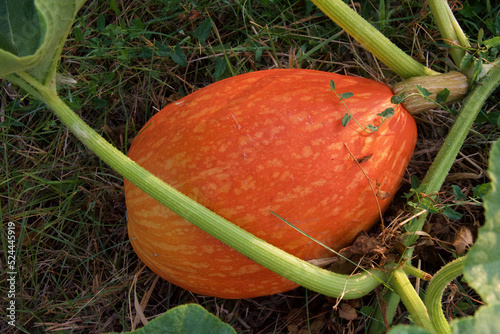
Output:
(260, 142)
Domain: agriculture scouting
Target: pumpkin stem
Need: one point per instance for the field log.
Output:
(426, 92)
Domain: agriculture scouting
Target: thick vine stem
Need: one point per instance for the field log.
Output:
(411, 299)
(275, 259)
(435, 293)
(449, 28)
(372, 39)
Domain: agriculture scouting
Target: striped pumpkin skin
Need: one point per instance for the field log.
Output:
(259, 142)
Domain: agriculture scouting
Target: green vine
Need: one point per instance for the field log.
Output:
(435, 290)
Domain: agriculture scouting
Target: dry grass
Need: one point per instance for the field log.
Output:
(78, 272)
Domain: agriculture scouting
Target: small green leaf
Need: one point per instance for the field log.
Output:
(220, 67)
(415, 182)
(372, 127)
(482, 265)
(466, 61)
(451, 214)
(179, 57)
(162, 50)
(77, 33)
(346, 119)
(113, 6)
(459, 195)
(397, 99)
(347, 95)
(258, 54)
(101, 23)
(332, 85)
(481, 190)
(480, 36)
(492, 42)
(442, 96)
(429, 207)
(387, 113)
(203, 30)
(138, 24)
(478, 67)
(423, 91)
(189, 319)
(99, 103)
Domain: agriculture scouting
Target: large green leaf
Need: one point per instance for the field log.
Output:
(186, 319)
(482, 265)
(19, 27)
(34, 47)
(484, 321)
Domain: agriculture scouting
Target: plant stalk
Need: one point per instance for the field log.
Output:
(275, 259)
(411, 299)
(450, 29)
(435, 291)
(372, 39)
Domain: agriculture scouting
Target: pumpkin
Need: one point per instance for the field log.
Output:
(263, 142)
